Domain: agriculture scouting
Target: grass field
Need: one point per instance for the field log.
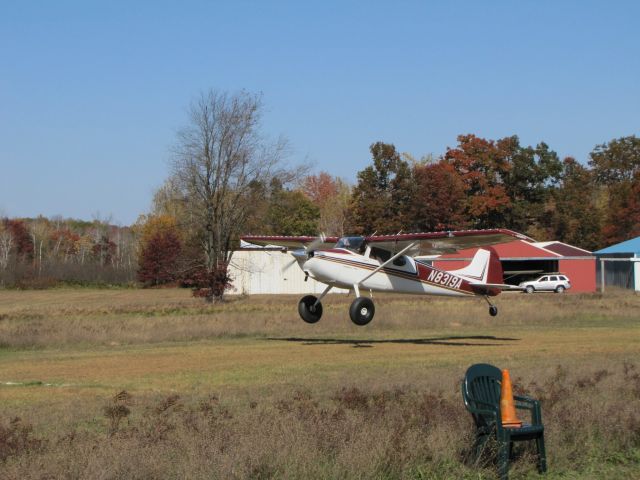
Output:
(245, 389)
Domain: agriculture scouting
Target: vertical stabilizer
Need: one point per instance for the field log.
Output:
(485, 267)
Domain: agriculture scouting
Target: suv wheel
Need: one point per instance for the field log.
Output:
(559, 289)
(529, 289)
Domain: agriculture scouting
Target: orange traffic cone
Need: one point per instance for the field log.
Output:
(507, 407)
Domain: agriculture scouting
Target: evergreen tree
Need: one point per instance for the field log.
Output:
(290, 212)
(382, 198)
(576, 218)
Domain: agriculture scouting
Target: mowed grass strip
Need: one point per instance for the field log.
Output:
(312, 355)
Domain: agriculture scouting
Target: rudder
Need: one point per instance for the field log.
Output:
(485, 267)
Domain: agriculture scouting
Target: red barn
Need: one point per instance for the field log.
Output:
(523, 260)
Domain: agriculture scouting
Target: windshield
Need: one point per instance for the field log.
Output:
(355, 244)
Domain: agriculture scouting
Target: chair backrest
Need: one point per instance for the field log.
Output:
(482, 382)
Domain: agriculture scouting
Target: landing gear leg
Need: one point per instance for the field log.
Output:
(493, 310)
(326, 290)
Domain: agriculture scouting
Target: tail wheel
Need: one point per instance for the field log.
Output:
(559, 289)
(308, 310)
(529, 289)
(362, 311)
(493, 310)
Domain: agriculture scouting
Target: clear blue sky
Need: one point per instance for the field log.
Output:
(92, 93)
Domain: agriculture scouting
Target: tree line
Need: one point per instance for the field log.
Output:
(228, 179)
(484, 183)
(41, 252)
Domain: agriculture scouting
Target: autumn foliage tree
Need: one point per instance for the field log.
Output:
(331, 196)
(21, 238)
(438, 202)
(623, 218)
(482, 166)
(159, 251)
(381, 200)
(575, 214)
(40, 252)
(616, 167)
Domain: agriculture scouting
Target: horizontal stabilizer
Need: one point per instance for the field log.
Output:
(489, 288)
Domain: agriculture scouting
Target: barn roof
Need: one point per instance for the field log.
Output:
(628, 246)
(521, 249)
(563, 249)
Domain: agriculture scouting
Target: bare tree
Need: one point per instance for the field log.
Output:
(40, 231)
(6, 244)
(219, 158)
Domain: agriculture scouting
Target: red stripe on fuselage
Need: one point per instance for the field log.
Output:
(421, 276)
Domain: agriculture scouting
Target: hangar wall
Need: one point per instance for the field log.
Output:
(264, 271)
(582, 274)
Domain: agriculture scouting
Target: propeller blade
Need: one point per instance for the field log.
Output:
(288, 266)
(316, 243)
(300, 255)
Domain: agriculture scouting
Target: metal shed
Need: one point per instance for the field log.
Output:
(619, 265)
(270, 271)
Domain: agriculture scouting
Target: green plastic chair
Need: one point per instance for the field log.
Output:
(481, 395)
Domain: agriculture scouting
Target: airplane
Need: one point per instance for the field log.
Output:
(394, 263)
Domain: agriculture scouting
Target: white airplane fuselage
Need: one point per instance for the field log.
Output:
(343, 268)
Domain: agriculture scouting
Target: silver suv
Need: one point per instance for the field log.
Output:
(555, 282)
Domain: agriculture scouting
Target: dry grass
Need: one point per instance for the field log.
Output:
(36, 319)
(246, 390)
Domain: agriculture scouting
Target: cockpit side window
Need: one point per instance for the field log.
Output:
(380, 254)
(401, 261)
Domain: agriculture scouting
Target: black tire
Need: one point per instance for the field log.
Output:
(493, 310)
(362, 311)
(307, 311)
(529, 289)
(560, 289)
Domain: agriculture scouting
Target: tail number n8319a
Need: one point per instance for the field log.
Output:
(444, 279)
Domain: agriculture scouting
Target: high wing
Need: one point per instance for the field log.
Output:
(437, 243)
(288, 242)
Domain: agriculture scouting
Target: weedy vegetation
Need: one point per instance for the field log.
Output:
(155, 384)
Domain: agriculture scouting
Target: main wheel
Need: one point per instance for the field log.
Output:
(308, 312)
(559, 289)
(362, 311)
(493, 310)
(529, 289)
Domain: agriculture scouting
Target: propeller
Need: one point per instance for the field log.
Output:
(300, 254)
(316, 243)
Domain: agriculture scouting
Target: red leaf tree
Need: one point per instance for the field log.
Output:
(21, 238)
(482, 166)
(158, 259)
(439, 198)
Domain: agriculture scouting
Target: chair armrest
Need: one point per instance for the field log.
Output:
(523, 398)
(483, 411)
(528, 403)
(525, 403)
